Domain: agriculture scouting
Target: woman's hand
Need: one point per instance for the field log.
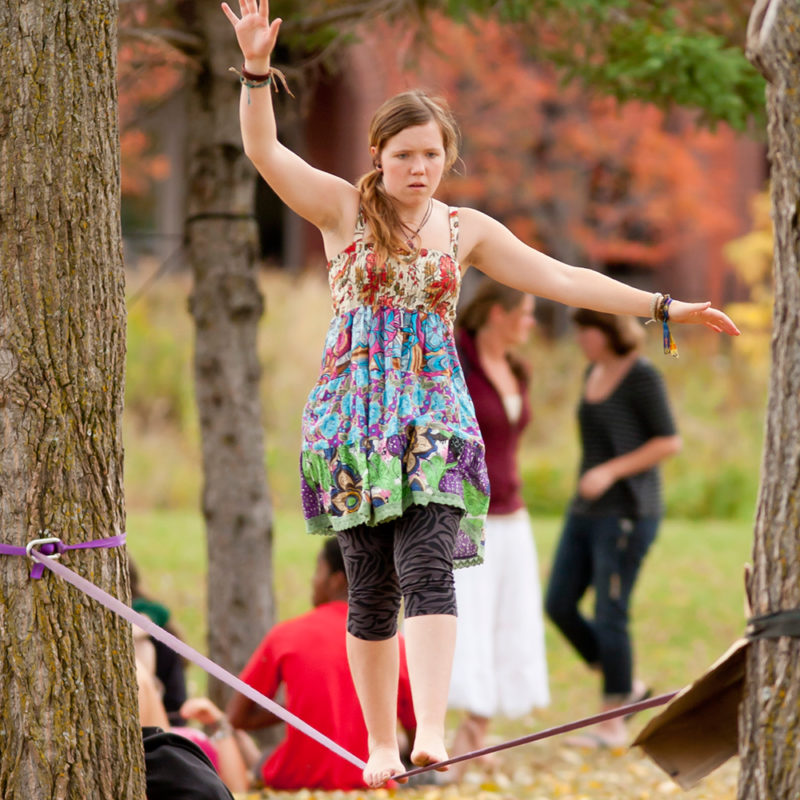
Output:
(703, 314)
(595, 482)
(202, 710)
(254, 32)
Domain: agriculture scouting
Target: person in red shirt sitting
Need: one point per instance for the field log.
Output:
(308, 656)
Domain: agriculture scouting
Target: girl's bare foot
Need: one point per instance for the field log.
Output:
(429, 749)
(383, 764)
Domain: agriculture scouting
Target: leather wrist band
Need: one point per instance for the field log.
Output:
(252, 81)
(252, 76)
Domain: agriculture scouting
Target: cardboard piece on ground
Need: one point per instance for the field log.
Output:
(698, 729)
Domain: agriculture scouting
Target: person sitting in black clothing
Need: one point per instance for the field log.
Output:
(177, 769)
(169, 666)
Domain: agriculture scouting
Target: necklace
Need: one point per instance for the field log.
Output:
(413, 234)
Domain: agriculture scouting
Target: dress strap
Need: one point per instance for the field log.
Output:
(453, 219)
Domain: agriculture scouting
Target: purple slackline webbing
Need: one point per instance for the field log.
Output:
(53, 547)
(127, 613)
(631, 708)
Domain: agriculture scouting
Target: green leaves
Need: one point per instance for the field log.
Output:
(680, 53)
(669, 67)
(675, 54)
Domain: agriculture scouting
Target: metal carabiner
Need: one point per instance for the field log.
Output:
(37, 542)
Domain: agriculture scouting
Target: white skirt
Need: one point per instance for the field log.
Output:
(500, 665)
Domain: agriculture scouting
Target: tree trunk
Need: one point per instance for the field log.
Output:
(69, 725)
(769, 726)
(226, 303)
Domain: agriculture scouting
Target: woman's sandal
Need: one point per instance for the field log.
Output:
(645, 694)
(588, 740)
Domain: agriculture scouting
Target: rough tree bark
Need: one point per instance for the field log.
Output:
(769, 722)
(68, 710)
(226, 303)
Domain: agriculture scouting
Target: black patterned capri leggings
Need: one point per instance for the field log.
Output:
(410, 558)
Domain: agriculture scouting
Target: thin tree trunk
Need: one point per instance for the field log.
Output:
(769, 724)
(226, 304)
(69, 725)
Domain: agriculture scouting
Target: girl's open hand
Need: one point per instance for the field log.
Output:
(254, 32)
(702, 314)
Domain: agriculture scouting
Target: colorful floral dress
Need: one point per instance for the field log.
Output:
(390, 422)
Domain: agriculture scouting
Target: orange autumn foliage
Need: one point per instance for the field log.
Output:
(625, 184)
(149, 71)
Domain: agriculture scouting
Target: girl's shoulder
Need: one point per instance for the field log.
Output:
(480, 231)
(472, 226)
(471, 217)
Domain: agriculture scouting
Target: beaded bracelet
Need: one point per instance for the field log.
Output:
(655, 302)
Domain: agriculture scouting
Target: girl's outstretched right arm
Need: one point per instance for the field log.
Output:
(323, 199)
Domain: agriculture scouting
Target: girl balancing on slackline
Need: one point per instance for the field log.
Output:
(392, 459)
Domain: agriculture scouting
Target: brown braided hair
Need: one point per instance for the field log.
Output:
(402, 111)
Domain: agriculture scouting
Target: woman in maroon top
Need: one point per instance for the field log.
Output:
(499, 665)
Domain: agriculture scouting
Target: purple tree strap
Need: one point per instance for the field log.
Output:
(189, 653)
(53, 547)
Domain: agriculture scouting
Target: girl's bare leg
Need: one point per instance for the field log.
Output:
(375, 670)
(430, 642)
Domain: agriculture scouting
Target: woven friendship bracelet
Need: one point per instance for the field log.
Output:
(252, 81)
(670, 348)
(659, 312)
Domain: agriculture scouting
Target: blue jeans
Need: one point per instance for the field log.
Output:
(604, 553)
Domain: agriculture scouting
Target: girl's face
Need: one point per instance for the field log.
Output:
(594, 343)
(412, 162)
